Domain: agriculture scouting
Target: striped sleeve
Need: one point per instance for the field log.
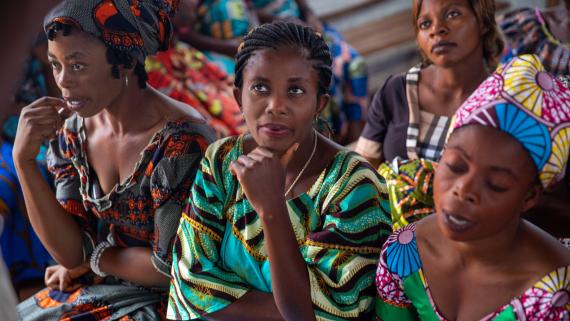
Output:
(342, 255)
(199, 283)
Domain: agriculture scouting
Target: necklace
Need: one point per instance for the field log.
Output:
(304, 167)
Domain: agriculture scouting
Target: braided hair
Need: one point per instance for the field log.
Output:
(286, 34)
(115, 57)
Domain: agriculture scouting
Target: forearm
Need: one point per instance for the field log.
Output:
(253, 306)
(48, 218)
(202, 42)
(132, 264)
(289, 275)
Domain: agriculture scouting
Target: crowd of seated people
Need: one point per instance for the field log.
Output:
(190, 160)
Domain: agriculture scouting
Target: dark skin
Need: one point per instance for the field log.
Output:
(456, 70)
(350, 130)
(185, 21)
(114, 127)
(280, 87)
(486, 178)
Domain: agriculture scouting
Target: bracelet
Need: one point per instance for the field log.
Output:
(96, 257)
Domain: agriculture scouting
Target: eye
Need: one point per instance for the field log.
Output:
(452, 14)
(77, 67)
(54, 65)
(260, 88)
(496, 188)
(296, 91)
(456, 168)
(424, 24)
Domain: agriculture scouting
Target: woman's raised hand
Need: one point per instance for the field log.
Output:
(261, 174)
(38, 121)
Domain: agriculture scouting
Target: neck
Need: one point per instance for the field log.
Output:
(124, 115)
(490, 251)
(454, 78)
(302, 154)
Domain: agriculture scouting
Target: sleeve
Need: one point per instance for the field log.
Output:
(199, 284)
(170, 183)
(67, 189)
(8, 194)
(391, 303)
(371, 140)
(342, 254)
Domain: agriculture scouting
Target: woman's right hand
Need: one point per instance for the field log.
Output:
(59, 278)
(38, 121)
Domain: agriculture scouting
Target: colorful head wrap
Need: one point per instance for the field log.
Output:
(529, 104)
(138, 27)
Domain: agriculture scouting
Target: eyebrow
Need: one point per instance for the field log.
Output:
(71, 56)
(493, 168)
(459, 148)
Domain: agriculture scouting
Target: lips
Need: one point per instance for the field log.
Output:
(442, 46)
(275, 129)
(74, 103)
(457, 222)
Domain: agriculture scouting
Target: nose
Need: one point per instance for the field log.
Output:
(466, 190)
(439, 28)
(64, 79)
(277, 105)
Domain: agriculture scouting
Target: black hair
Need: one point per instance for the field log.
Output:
(115, 57)
(286, 34)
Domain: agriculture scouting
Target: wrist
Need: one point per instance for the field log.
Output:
(96, 259)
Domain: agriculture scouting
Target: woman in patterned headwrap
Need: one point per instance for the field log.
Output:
(476, 258)
(123, 162)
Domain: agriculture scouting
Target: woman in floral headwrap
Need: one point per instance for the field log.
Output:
(123, 163)
(476, 258)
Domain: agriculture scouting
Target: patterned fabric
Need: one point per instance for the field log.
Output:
(529, 104)
(410, 188)
(433, 133)
(23, 253)
(220, 254)
(224, 20)
(185, 74)
(526, 32)
(405, 295)
(142, 211)
(349, 89)
(137, 27)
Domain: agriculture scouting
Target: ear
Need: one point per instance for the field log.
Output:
(322, 102)
(533, 197)
(237, 97)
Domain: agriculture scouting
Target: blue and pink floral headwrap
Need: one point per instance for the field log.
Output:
(524, 101)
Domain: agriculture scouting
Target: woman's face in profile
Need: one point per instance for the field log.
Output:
(82, 72)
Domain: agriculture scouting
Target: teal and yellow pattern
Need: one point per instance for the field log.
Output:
(340, 225)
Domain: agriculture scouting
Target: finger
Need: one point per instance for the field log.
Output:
(53, 281)
(246, 161)
(43, 120)
(73, 287)
(64, 281)
(48, 101)
(256, 157)
(263, 152)
(288, 155)
(48, 274)
(236, 168)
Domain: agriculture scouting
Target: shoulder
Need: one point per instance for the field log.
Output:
(400, 252)
(540, 247)
(186, 134)
(351, 166)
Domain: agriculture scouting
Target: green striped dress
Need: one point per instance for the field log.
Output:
(340, 225)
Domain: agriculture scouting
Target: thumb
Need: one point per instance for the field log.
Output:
(288, 155)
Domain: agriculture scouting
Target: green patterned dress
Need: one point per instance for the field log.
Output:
(340, 225)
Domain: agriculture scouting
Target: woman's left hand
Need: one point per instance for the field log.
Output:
(261, 174)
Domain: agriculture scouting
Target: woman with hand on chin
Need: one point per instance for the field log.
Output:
(282, 223)
(123, 163)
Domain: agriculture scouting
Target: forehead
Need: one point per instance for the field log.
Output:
(283, 62)
(78, 42)
(491, 146)
(428, 5)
